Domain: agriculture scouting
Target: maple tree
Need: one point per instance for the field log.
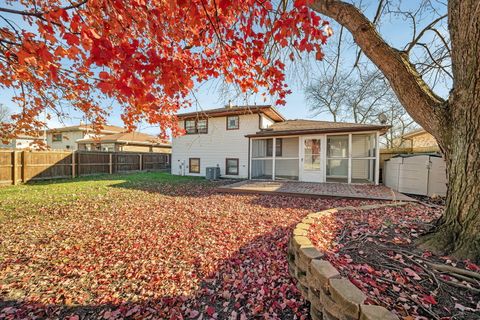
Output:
(454, 122)
(147, 55)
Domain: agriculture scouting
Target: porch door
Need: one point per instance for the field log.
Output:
(311, 161)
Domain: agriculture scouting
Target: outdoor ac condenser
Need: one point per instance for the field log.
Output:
(212, 173)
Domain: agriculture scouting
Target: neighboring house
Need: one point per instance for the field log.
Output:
(418, 139)
(257, 142)
(126, 141)
(24, 142)
(66, 138)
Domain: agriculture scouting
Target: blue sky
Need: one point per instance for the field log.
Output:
(394, 30)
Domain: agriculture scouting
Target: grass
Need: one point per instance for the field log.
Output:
(18, 201)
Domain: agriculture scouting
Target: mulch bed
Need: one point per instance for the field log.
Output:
(376, 250)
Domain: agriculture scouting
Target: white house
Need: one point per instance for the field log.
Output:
(24, 142)
(257, 142)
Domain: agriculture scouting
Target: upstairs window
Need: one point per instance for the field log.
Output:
(194, 126)
(233, 122)
(57, 137)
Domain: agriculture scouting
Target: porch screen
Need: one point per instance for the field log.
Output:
(262, 160)
(337, 158)
(363, 158)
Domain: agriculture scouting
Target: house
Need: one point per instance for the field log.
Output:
(419, 138)
(25, 142)
(257, 142)
(125, 141)
(66, 138)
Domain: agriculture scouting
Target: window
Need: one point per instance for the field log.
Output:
(194, 126)
(278, 147)
(233, 122)
(231, 167)
(194, 165)
(190, 126)
(57, 137)
(202, 126)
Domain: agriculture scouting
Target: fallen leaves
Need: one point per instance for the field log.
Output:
(375, 250)
(152, 250)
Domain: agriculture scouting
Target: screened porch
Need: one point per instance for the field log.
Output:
(346, 158)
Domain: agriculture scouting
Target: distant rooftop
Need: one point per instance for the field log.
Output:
(128, 137)
(88, 127)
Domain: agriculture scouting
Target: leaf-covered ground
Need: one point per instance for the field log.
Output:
(376, 249)
(147, 246)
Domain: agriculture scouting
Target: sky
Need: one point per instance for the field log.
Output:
(394, 30)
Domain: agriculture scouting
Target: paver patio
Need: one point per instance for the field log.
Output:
(312, 189)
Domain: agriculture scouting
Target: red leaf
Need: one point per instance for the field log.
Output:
(429, 299)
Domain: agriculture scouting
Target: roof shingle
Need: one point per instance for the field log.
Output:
(292, 127)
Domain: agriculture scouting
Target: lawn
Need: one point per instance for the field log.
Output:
(147, 245)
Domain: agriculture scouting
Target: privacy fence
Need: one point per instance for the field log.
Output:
(22, 166)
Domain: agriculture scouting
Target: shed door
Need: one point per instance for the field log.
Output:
(414, 175)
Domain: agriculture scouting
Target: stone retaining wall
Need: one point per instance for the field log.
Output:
(331, 296)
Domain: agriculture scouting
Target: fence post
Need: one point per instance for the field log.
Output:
(14, 167)
(73, 164)
(110, 163)
(140, 162)
(24, 166)
(78, 165)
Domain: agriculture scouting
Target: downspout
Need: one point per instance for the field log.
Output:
(249, 160)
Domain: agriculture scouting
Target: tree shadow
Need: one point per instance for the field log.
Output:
(253, 282)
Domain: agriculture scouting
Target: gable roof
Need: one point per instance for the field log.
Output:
(88, 127)
(128, 138)
(295, 127)
(268, 110)
(414, 133)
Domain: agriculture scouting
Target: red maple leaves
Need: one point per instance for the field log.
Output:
(148, 55)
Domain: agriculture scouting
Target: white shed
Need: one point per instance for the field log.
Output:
(422, 174)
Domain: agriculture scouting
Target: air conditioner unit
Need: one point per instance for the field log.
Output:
(212, 173)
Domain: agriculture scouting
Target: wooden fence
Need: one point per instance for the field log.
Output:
(23, 166)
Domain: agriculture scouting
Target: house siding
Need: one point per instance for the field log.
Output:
(69, 139)
(215, 146)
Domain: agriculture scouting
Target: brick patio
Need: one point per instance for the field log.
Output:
(312, 189)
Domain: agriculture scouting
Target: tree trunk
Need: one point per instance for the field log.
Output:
(459, 230)
(454, 123)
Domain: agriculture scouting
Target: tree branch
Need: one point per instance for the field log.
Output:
(39, 14)
(414, 94)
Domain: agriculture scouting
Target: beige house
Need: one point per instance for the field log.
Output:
(125, 141)
(66, 138)
(418, 139)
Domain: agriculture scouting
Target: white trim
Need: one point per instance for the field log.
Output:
(349, 170)
(274, 154)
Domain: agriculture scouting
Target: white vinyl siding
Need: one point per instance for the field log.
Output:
(215, 147)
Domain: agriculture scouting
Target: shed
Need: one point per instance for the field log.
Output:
(421, 174)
